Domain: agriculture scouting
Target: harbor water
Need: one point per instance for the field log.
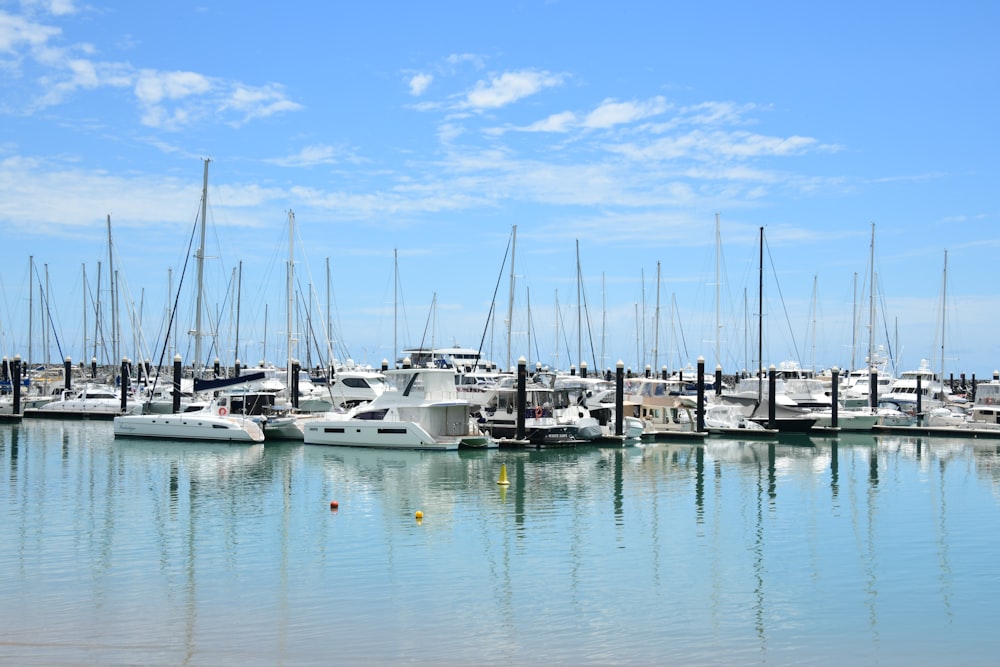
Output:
(856, 549)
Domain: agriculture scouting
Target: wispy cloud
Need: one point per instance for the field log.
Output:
(165, 99)
(17, 32)
(707, 146)
(612, 112)
(419, 83)
(314, 155)
(509, 87)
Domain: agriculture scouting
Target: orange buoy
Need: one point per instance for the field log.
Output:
(334, 504)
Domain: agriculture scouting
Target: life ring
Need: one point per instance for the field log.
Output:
(222, 412)
(538, 412)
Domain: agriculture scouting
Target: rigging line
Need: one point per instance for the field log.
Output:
(218, 321)
(586, 310)
(173, 311)
(565, 339)
(311, 338)
(493, 302)
(48, 312)
(784, 307)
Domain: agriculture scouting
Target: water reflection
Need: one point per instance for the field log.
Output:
(820, 550)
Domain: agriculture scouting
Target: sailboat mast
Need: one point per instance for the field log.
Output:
(239, 297)
(84, 348)
(289, 295)
(718, 282)
(579, 318)
(395, 302)
(114, 304)
(871, 305)
(31, 303)
(200, 264)
(510, 300)
(46, 317)
(760, 320)
(656, 322)
(329, 321)
(944, 311)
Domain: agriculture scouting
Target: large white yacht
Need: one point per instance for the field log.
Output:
(419, 409)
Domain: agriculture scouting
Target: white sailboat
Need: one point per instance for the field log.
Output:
(214, 421)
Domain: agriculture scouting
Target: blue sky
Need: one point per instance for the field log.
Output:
(425, 131)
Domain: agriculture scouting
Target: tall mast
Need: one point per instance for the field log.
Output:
(944, 296)
(871, 304)
(289, 294)
(579, 306)
(718, 282)
(46, 317)
(84, 348)
(200, 263)
(98, 330)
(329, 325)
(656, 322)
(395, 302)
(510, 300)
(239, 297)
(31, 303)
(760, 320)
(114, 301)
(640, 324)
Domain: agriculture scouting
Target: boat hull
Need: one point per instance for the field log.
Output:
(376, 434)
(188, 427)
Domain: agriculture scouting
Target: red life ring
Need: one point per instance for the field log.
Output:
(222, 412)
(538, 412)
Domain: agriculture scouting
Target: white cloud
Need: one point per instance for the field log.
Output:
(166, 99)
(258, 102)
(309, 156)
(611, 113)
(419, 83)
(152, 87)
(194, 95)
(54, 7)
(708, 146)
(16, 31)
(509, 87)
(456, 59)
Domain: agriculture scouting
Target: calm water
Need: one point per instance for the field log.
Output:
(858, 550)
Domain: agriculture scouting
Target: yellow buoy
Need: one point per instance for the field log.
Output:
(419, 515)
(503, 476)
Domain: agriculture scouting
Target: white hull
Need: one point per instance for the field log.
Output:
(87, 406)
(188, 426)
(847, 420)
(375, 434)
